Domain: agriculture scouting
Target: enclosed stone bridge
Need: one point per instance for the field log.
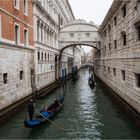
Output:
(87, 64)
(79, 32)
(76, 33)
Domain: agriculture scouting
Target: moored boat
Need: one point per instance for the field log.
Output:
(75, 77)
(44, 115)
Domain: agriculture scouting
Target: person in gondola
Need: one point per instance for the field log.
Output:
(31, 108)
(56, 103)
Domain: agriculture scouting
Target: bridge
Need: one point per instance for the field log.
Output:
(79, 32)
(76, 33)
(87, 64)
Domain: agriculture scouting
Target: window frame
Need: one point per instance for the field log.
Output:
(115, 44)
(17, 6)
(115, 21)
(0, 28)
(137, 80)
(124, 10)
(18, 35)
(25, 8)
(124, 39)
(27, 40)
(114, 72)
(71, 35)
(21, 75)
(5, 78)
(123, 75)
(138, 32)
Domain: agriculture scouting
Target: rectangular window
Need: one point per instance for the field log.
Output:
(109, 46)
(21, 75)
(109, 28)
(108, 70)
(115, 44)
(124, 10)
(17, 34)
(16, 4)
(71, 35)
(105, 33)
(124, 39)
(38, 56)
(105, 48)
(114, 72)
(87, 34)
(123, 75)
(25, 38)
(0, 26)
(115, 21)
(138, 33)
(26, 7)
(137, 79)
(5, 75)
(42, 56)
(59, 20)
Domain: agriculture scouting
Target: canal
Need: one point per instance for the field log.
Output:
(87, 114)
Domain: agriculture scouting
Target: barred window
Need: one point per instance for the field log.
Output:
(123, 75)
(137, 80)
(124, 10)
(5, 75)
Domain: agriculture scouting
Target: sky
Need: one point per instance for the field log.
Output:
(90, 10)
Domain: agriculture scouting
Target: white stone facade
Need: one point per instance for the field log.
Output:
(49, 16)
(119, 62)
(17, 63)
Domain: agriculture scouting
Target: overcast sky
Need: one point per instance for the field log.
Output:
(90, 10)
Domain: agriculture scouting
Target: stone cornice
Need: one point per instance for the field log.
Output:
(38, 4)
(111, 11)
(4, 44)
(70, 24)
(70, 9)
(63, 10)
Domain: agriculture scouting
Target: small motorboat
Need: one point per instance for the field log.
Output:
(44, 115)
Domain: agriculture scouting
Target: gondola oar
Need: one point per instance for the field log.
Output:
(60, 128)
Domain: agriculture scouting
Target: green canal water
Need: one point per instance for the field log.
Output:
(87, 114)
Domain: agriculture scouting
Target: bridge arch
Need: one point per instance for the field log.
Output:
(74, 45)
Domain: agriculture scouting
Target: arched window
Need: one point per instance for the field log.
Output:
(42, 32)
(124, 38)
(48, 56)
(45, 56)
(42, 56)
(45, 34)
(38, 56)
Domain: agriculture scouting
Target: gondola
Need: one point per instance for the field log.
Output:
(91, 83)
(44, 115)
(75, 77)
